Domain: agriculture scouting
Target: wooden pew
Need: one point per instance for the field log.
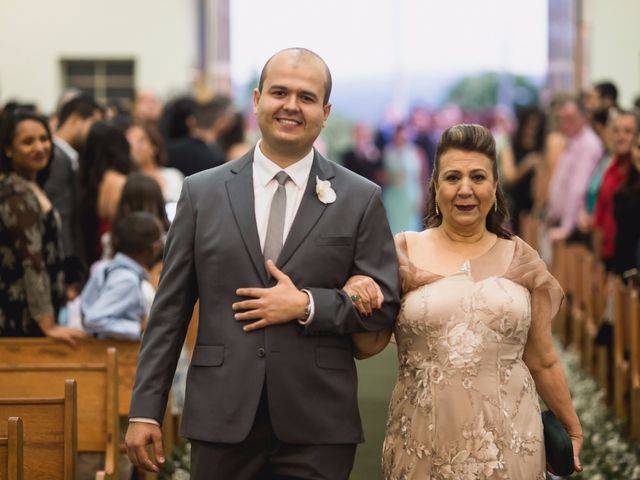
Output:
(98, 421)
(46, 351)
(43, 350)
(575, 289)
(49, 432)
(11, 449)
(621, 349)
(634, 337)
(590, 320)
(601, 369)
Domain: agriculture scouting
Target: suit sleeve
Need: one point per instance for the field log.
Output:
(169, 318)
(375, 256)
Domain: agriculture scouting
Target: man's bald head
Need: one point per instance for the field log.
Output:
(300, 52)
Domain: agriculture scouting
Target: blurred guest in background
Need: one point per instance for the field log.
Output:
(601, 121)
(147, 107)
(578, 160)
(105, 164)
(626, 253)
(150, 157)
(74, 122)
(198, 151)
(623, 132)
(402, 195)
(116, 301)
(141, 193)
(177, 117)
(525, 153)
(232, 139)
(31, 255)
(421, 126)
(363, 157)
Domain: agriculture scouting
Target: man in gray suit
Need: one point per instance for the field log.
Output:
(74, 122)
(266, 242)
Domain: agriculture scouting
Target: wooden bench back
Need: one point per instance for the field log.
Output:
(97, 385)
(45, 351)
(621, 344)
(49, 432)
(11, 451)
(42, 351)
(634, 336)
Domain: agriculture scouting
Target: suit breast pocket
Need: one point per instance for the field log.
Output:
(335, 240)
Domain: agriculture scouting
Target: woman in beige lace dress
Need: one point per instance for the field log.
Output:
(473, 335)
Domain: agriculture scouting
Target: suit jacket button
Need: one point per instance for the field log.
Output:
(261, 352)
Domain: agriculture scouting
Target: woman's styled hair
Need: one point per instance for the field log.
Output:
(155, 137)
(141, 193)
(8, 126)
(469, 138)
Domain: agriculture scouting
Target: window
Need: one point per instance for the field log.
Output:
(102, 79)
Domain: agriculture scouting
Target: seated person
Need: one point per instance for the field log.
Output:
(115, 302)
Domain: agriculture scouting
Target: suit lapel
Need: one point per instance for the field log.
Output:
(241, 198)
(310, 210)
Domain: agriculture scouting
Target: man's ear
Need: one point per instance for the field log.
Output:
(256, 99)
(327, 111)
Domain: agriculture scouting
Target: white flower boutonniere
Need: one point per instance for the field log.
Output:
(325, 193)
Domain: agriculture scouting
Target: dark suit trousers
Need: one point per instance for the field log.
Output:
(261, 456)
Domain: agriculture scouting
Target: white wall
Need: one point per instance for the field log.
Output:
(35, 34)
(615, 45)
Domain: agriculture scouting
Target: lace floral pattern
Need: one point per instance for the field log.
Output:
(465, 405)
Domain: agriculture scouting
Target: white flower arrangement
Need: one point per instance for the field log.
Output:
(606, 453)
(325, 193)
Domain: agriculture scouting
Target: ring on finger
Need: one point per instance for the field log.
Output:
(355, 298)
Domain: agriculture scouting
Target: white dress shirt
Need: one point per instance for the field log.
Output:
(265, 186)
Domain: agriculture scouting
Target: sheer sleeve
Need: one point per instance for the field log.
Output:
(530, 271)
(411, 277)
(21, 216)
(403, 260)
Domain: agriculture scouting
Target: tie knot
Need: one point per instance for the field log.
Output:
(282, 177)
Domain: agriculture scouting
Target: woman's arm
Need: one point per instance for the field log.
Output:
(548, 375)
(366, 297)
(368, 344)
(508, 167)
(109, 193)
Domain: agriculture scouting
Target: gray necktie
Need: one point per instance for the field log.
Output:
(275, 227)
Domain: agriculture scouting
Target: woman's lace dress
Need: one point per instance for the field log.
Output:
(465, 405)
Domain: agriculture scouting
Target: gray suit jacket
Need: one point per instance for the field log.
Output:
(62, 189)
(309, 371)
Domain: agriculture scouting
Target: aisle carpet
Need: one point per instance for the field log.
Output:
(376, 378)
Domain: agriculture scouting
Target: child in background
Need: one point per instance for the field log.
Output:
(116, 301)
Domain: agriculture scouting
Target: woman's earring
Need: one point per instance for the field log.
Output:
(437, 209)
(495, 206)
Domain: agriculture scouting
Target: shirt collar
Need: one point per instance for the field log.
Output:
(264, 169)
(125, 260)
(66, 148)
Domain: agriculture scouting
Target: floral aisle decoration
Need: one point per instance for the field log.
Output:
(606, 454)
(178, 465)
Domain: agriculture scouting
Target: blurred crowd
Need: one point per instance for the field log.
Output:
(86, 198)
(572, 167)
(88, 194)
